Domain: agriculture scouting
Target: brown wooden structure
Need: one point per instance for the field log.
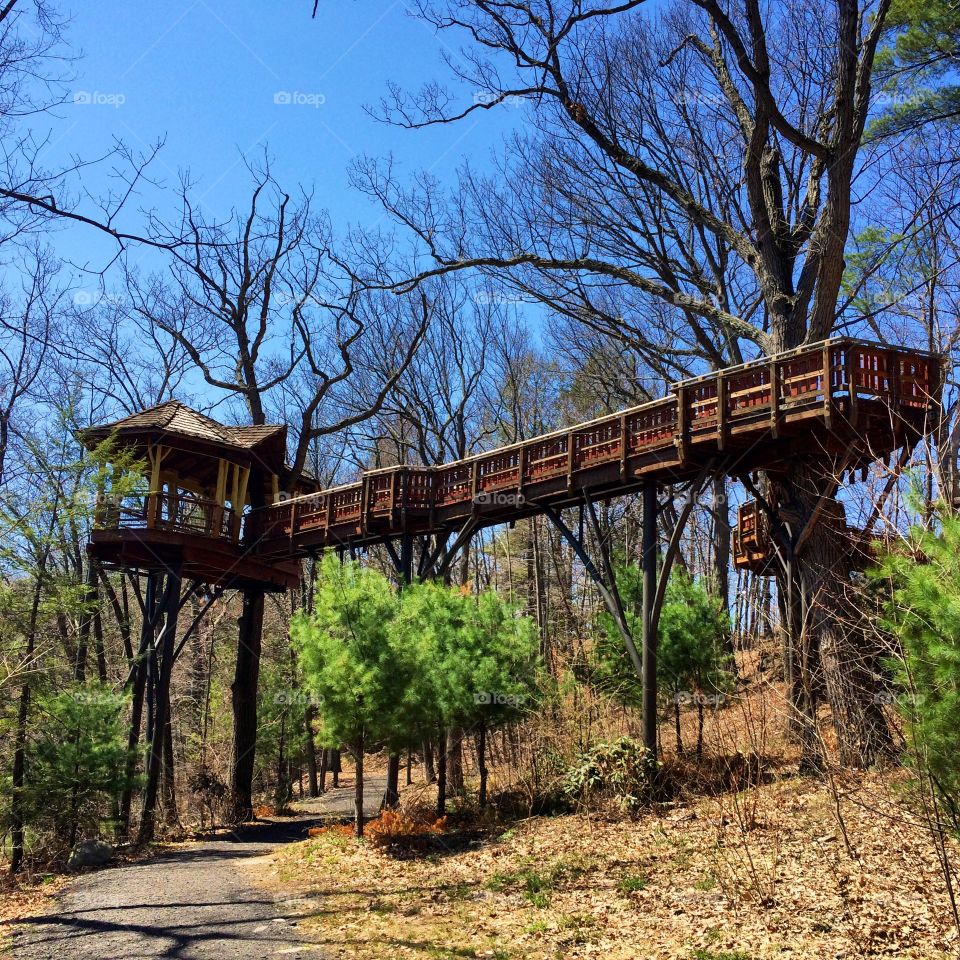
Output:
(202, 479)
(218, 509)
(837, 397)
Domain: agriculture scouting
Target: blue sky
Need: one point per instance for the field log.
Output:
(207, 75)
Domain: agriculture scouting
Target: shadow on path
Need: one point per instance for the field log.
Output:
(197, 902)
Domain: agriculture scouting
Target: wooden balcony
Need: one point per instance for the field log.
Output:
(841, 396)
(206, 539)
(180, 513)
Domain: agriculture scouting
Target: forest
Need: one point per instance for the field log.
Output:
(704, 707)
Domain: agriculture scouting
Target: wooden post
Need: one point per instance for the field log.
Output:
(161, 703)
(774, 398)
(624, 447)
(649, 635)
(682, 435)
(827, 386)
(244, 696)
(154, 497)
(851, 374)
(721, 411)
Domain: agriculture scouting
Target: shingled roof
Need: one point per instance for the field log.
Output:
(176, 419)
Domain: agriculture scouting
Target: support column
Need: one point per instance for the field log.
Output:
(649, 635)
(405, 569)
(163, 660)
(244, 692)
(136, 683)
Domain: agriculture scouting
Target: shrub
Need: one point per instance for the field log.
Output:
(922, 602)
(622, 772)
(77, 765)
(397, 827)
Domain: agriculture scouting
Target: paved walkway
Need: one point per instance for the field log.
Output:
(197, 902)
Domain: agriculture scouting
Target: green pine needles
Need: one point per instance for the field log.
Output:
(390, 669)
(921, 587)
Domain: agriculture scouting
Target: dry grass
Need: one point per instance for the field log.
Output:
(27, 898)
(762, 873)
(781, 867)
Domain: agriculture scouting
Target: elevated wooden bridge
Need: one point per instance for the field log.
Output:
(220, 509)
(840, 397)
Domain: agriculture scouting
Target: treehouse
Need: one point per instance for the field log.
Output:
(220, 498)
(201, 484)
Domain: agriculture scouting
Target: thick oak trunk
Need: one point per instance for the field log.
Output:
(826, 651)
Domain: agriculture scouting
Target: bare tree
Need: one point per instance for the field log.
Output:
(701, 157)
(259, 303)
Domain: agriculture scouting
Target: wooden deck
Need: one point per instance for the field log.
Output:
(202, 538)
(841, 396)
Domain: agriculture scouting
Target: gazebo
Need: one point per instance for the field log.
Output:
(202, 480)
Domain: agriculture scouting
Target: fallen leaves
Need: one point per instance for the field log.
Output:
(763, 873)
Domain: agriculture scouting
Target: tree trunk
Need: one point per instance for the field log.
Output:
(676, 725)
(429, 771)
(244, 690)
(826, 647)
(391, 796)
(358, 788)
(169, 781)
(454, 751)
(721, 541)
(86, 621)
(23, 716)
(335, 766)
(442, 774)
(482, 762)
(310, 748)
(848, 662)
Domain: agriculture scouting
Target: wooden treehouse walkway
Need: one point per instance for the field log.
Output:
(212, 515)
(215, 505)
(837, 397)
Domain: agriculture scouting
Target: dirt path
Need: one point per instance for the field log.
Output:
(198, 902)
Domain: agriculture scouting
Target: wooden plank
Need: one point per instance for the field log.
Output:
(721, 410)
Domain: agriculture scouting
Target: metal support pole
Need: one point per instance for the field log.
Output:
(649, 636)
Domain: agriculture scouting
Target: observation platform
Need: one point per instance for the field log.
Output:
(211, 504)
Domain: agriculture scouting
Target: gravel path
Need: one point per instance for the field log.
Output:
(198, 902)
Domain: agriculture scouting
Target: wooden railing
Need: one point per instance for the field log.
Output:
(759, 396)
(179, 513)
